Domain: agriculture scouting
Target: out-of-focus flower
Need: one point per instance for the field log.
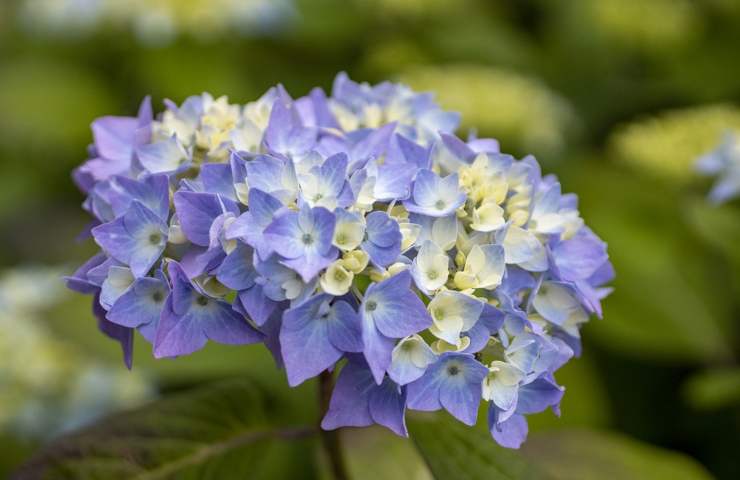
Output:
(355, 225)
(47, 385)
(723, 163)
(520, 111)
(668, 144)
(157, 21)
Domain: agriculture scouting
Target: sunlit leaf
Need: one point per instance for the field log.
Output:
(588, 455)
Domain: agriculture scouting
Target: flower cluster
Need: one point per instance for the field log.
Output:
(354, 226)
(723, 163)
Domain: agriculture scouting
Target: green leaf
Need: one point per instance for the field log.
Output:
(714, 388)
(234, 429)
(669, 303)
(718, 226)
(585, 404)
(588, 455)
(455, 451)
(375, 452)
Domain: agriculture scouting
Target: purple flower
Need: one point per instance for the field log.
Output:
(326, 185)
(80, 280)
(315, 334)
(435, 196)
(357, 401)
(152, 191)
(141, 305)
(114, 141)
(304, 239)
(250, 226)
(273, 175)
(190, 318)
(453, 382)
(291, 233)
(197, 212)
(165, 156)
(136, 239)
(285, 132)
(390, 310)
(237, 270)
(509, 433)
(123, 335)
(382, 239)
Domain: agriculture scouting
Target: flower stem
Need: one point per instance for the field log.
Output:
(330, 438)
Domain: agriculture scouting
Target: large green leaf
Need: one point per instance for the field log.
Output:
(669, 303)
(455, 451)
(588, 455)
(234, 429)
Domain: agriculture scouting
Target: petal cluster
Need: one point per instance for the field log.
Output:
(352, 229)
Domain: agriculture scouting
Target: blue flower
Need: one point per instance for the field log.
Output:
(434, 196)
(382, 239)
(197, 212)
(302, 223)
(191, 317)
(326, 185)
(273, 175)
(315, 334)
(453, 382)
(410, 359)
(137, 238)
(285, 133)
(251, 225)
(357, 401)
(390, 310)
(152, 191)
(166, 156)
(140, 306)
(304, 240)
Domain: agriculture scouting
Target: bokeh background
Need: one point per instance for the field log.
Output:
(618, 97)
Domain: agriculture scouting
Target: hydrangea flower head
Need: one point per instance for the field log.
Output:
(354, 232)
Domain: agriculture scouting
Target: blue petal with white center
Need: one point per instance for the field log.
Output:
(304, 239)
(136, 239)
(315, 334)
(434, 196)
(190, 318)
(453, 382)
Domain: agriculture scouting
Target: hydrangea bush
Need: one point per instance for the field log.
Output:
(356, 226)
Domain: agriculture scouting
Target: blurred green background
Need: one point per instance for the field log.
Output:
(618, 97)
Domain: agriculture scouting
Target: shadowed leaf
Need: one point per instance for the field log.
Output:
(234, 429)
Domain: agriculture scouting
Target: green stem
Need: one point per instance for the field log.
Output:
(330, 438)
